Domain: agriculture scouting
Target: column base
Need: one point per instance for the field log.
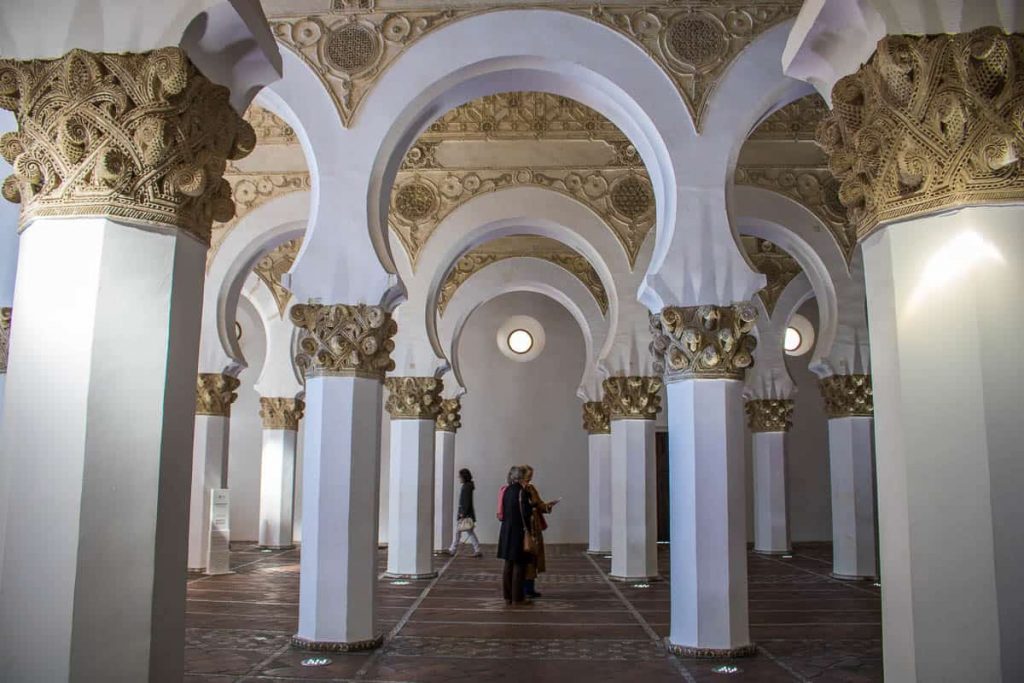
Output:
(329, 646)
(711, 652)
(599, 552)
(773, 552)
(852, 577)
(636, 579)
(411, 577)
(277, 547)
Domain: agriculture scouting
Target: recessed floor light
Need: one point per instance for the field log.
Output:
(640, 585)
(876, 584)
(607, 557)
(316, 661)
(726, 669)
(787, 557)
(400, 582)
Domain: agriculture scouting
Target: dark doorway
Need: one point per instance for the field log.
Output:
(661, 467)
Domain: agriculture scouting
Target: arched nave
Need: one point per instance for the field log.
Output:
(275, 272)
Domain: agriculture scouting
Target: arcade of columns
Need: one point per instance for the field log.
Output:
(118, 163)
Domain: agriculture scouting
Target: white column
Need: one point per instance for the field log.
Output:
(771, 518)
(277, 488)
(444, 489)
(341, 470)
(96, 526)
(708, 518)
(600, 474)
(852, 470)
(634, 500)
(945, 320)
(411, 498)
(209, 471)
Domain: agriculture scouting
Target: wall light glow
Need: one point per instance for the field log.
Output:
(951, 262)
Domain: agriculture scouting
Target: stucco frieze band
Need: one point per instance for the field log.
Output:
(704, 342)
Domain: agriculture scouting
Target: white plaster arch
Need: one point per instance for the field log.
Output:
(279, 377)
(770, 378)
(280, 219)
(533, 49)
(793, 227)
(524, 274)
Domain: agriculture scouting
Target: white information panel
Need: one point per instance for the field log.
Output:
(218, 561)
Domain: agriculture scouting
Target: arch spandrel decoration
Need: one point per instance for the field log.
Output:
(273, 266)
(520, 246)
(777, 266)
(693, 41)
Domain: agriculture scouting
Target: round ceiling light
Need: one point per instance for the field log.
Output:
(520, 341)
(793, 339)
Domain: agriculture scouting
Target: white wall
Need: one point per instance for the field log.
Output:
(525, 413)
(246, 440)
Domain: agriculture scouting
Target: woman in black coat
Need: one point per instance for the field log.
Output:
(466, 512)
(517, 513)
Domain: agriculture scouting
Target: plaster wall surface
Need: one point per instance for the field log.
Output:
(517, 413)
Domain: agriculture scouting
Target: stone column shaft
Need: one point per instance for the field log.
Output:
(96, 525)
(598, 426)
(769, 421)
(277, 470)
(344, 352)
(704, 352)
(633, 404)
(447, 424)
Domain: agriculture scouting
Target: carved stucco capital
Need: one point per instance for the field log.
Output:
(633, 398)
(449, 417)
(215, 393)
(139, 137)
(770, 414)
(847, 396)
(928, 124)
(344, 341)
(596, 417)
(703, 342)
(413, 398)
(5, 337)
(281, 413)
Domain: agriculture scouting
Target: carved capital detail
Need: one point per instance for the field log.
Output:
(928, 124)
(215, 393)
(449, 419)
(596, 417)
(344, 341)
(847, 396)
(5, 337)
(703, 342)
(770, 414)
(633, 398)
(138, 137)
(281, 413)
(413, 398)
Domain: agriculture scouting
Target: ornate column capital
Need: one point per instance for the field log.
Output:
(413, 398)
(215, 393)
(596, 418)
(281, 413)
(5, 337)
(770, 414)
(344, 341)
(633, 398)
(449, 417)
(928, 124)
(847, 396)
(703, 342)
(139, 137)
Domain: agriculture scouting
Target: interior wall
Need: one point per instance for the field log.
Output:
(246, 438)
(517, 413)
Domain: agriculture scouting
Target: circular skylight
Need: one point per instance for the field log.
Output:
(793, 339)
(520, 341)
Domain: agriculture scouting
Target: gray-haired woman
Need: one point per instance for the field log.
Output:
(517, 516)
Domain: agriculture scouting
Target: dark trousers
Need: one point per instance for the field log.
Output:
(512, 581)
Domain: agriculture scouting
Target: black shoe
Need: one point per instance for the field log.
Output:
(533, 595)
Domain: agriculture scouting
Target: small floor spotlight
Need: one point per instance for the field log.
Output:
(787, 557)
(400, 582)
(726, 669)
(316, 661)
(640, 585)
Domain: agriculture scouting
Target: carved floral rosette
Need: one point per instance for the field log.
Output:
(413, 398)
(847, 396)
(705, 342)
(281, 413)
(449, 417)
(596, 418)
(770, 414)
(633, 398)
(928, 124)
(140, 137)
(215, 393)
(344, 341)
(5, 337)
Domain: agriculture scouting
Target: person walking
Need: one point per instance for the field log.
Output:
(465, 519)
(540, 508)
(515, 544)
